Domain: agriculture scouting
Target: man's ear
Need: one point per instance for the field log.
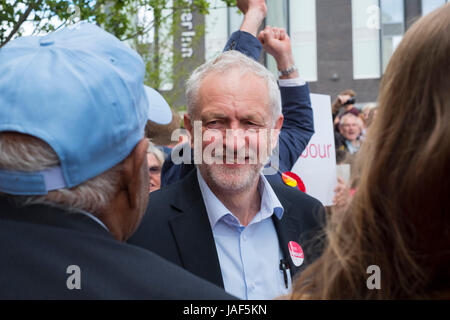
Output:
(132, 173)
(188, 126)
(276, 131)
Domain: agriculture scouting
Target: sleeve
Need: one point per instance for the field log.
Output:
(245, 43)
(294, 82)
(298, 125)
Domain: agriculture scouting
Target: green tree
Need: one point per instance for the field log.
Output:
(126, 19)
(163, 63)
(117, 17)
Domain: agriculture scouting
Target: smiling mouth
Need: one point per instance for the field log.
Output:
(233, 165)
(236, 161)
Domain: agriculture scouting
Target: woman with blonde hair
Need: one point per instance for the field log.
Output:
(155, 160)
(399, 218)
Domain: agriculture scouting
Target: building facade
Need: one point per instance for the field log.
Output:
(338, 44)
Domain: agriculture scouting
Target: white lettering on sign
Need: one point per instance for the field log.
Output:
(188, 32)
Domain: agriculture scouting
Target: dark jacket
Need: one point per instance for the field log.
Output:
(176, 227)
(38, 243)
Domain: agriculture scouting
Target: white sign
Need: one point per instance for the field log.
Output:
(317, 164)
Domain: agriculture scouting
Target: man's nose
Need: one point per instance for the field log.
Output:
(235, 139)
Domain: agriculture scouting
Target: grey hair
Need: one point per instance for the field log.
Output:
(159, 155)
(20, 152)
(232, 60)
(345, 116)
(369, 106)
(359, 122)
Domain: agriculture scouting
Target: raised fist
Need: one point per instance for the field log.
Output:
(277, 43)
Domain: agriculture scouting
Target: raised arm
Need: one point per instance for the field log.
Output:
(255, 12)
(244, 40)
(277, 43)
(298, 125)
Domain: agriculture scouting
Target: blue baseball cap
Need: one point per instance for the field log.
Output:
(159, 109)
(81, 91)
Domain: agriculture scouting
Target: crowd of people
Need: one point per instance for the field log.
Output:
(90, 177)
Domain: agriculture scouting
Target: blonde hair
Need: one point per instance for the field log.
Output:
(159, 155)
(399, 218)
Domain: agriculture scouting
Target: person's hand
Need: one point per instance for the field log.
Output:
(252, 5)
(344, 98)
(339, 102)
(277, 43)
(254, 13)
(342, 195)
(336, 120)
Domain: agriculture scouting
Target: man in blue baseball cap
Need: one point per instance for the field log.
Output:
(73, 172)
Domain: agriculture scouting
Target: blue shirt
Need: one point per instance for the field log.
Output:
(351, 148)
(249, 256)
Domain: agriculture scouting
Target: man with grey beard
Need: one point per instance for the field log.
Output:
(224, 221)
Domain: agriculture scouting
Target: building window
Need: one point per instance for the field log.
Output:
(216, 29)
(366, 39)
(299, 19)
(378, 28)
(302, 30)
(392, 28)
(220, 23)
(235, 18)
(277, 16)
(430, 5)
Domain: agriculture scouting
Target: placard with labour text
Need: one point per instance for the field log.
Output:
(317, 164)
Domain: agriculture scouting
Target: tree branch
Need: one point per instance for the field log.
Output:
(21, 20)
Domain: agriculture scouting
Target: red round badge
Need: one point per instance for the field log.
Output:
(293, 180)
(296, 252)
